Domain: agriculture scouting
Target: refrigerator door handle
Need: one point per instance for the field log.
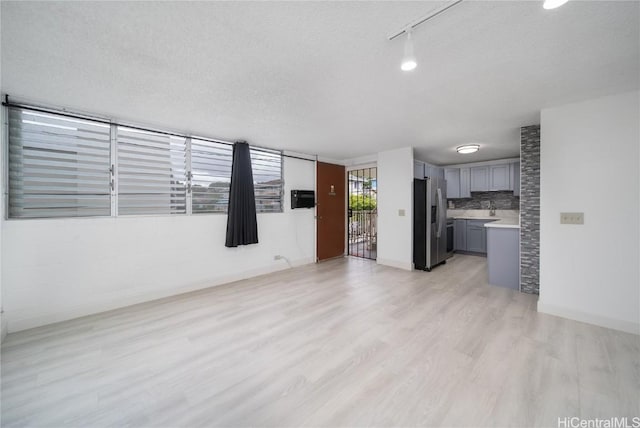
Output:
(439, 213)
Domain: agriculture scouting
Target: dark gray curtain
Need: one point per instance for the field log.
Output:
(242, 226)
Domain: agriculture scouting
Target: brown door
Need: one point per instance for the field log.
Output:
(331, 210)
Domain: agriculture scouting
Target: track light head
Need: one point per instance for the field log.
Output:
(409, 59)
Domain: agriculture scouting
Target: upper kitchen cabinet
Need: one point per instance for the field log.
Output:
(433, 171)
(452, 176)
(480, 179)
(499, 177)
(488, 176)
(418, 169)
(465, 182)
(515, 178)
(423, 169)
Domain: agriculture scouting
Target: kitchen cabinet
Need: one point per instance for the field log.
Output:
(515, 178)
(452, 176)
(503, 257)
(470, 235)
(480, 179)
(460, 235)
(418, 169)
(465, 182)
(428, 170)
(483, 177)
(437, 171)
(476, 236)
(499, 177)
(423, 169)
(433, 171)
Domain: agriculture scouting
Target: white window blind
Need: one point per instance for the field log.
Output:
(267, 179)
(62, 166)
(152, 173)
(210, 176)
(58, 166)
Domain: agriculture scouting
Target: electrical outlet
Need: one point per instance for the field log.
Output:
(571, 218)
(278, 257)
(401, 213)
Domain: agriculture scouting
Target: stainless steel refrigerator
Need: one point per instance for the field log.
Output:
(429, 223)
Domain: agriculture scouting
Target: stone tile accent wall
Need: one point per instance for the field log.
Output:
(530, 209)
(480, 201)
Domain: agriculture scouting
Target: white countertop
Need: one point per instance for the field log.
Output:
(509, 223)
(473, 217)
(503, 218)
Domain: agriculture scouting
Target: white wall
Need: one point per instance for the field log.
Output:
(590, 163)
(395, 192)
(59, 269)
(3, 324)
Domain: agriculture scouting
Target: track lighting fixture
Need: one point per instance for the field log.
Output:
(409, 59)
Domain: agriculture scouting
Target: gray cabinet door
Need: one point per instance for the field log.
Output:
(499, 177)
(516, 178)
(480, 179)
(418, 169)
(452, 176)
(465, 182)
(438, 171)
(460, 235)
(476, 238)
(503, 257)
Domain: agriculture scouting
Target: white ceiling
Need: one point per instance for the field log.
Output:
(321, 77)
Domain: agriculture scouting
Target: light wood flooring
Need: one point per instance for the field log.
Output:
(342, 343)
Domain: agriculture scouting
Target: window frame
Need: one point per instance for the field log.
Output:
(113, 150)
(83, 141)
(281, 195)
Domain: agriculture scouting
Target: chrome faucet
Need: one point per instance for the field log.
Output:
(492, 208)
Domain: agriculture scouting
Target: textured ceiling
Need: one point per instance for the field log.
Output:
(321, 77)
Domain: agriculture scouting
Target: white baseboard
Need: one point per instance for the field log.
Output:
(621, 325)
(395, 264)
(26, 319)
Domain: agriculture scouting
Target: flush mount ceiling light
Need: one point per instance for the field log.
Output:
(468, 148)
(552, 4)
(409, 60)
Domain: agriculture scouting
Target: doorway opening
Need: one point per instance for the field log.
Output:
(363, 213)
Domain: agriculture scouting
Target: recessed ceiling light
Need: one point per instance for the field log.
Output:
(468, 148)
(552, 4)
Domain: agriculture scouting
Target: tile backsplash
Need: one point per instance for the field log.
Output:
(480, 201)
(530, 219)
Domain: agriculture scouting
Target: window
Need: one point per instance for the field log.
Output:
(152, 173)
(267, 179)
(210, 176)
(58, 166)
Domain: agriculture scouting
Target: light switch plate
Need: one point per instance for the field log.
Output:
(571, 218)
(401, 213)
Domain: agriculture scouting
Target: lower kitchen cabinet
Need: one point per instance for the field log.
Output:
(476, 236)
(503, 257)
(460, 235)
(470, 235)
